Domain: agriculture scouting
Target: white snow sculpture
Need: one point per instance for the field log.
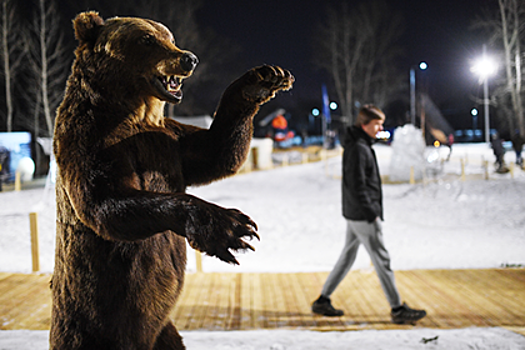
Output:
(408, 149)
(26, 168)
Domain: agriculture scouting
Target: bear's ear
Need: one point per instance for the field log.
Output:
(87, 26)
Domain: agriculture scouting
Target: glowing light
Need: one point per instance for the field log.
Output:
(423, 65)
(333, 106)
(485, 67)
(474, 112)
(437, 143)
(383, 135)
(315, 112)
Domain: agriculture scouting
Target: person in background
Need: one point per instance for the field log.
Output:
(4, 165)
(499, 151)
(363, 211)
(517, 144)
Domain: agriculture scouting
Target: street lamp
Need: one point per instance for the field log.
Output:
(485, 67)
(422, 66)
(474, 112)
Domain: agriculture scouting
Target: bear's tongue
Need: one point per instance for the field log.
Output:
(172, 85)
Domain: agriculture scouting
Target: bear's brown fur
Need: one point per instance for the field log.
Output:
(123, 214)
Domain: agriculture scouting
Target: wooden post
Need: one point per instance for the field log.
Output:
(511, 169)
(33, 223)
(18, 185)
(486, 166)
(198, 260)
(286, 160)
(462, 169)
(304, 157)
(248, 164)
(412, 176)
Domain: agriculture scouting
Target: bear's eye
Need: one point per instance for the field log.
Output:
(148, 40)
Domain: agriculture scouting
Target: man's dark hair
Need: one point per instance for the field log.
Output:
(367, 113)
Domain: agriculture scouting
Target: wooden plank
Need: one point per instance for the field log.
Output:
(506, 292)
(304, 298)
(268, 302)
(4, 275)
(290, 299)
(24, 302)
(224, 301)
(212, 297)
(479, 296)
(281, 311)
(378, 311)
(259, 320)
(450, 309)
(234, 320)
(246, 312)
(350, 300)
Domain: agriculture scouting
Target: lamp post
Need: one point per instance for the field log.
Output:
(422, 66)
(485, 67)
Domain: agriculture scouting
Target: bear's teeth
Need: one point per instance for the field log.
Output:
(173, 84)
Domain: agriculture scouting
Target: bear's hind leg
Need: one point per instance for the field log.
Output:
(169, 339)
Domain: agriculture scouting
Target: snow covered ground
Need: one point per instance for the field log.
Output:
(422, 339)
(442, 223)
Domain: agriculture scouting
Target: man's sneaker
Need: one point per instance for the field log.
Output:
(323, 306)
(406, 315)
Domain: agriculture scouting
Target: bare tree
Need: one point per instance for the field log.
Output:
(376, 70)
(512, 13)
(341, 42)
(11, 54)
(49, 60)
(357, 48)
(506, 27)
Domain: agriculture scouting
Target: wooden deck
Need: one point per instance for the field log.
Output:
(247, 301)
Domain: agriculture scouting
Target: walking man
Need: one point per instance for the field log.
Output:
(363, 211)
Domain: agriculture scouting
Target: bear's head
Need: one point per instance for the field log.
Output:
(133, 57)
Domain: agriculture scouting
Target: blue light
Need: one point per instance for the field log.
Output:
(333, 106)
(474, 112)
(315, 112)
(423, 65)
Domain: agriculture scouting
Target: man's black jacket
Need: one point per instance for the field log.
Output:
(362, 195)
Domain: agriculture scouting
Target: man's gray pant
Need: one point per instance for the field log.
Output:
(371, 236)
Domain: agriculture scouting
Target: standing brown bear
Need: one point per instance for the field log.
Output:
(123, 214)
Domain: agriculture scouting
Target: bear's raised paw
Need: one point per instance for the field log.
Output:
(262, 83)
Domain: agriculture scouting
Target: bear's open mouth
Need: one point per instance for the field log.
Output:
(170, 87)
(173, 84)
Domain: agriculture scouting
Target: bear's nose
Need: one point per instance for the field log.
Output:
(188, 61)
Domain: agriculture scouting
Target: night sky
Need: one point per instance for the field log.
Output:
(438, 32)
(280, 32)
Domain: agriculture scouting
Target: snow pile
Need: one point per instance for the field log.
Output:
(408, 150)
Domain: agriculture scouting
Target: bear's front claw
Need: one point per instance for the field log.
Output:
(225, 254)
(265, 81)
(223, 232)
